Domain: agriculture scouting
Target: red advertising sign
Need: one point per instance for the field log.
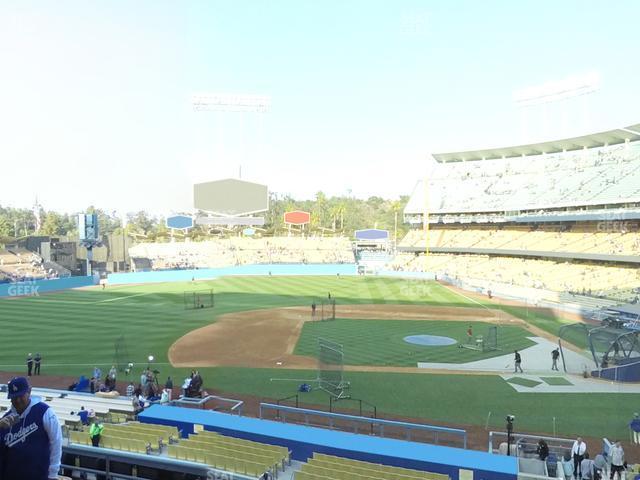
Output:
(297, 217)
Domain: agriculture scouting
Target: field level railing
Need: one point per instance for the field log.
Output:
(235, 405)
(372, 423)
(523, 445)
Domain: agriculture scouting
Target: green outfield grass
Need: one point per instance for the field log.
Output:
(381, 342)
(459, 399)
(75, 330)
(78, 328)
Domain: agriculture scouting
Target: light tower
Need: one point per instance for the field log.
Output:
(232, 103)
(556, 96)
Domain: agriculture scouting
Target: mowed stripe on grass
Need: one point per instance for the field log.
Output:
(81, 326)
(84, 331)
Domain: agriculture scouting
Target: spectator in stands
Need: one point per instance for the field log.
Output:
(95, 432)
(195, 386)
(599, 465)
(555, 354)
(36, 361)
(542, 450)
(165, 397)
(634, 425)
(130, 389)
(577, 453)
(186, 385)
(84, 416)
(518, 362)
(586, 468)
(32, 447)
(29, 365)
(617, 461)
(138, 404)
(567, 466)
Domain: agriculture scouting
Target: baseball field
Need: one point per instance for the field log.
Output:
(260, 328)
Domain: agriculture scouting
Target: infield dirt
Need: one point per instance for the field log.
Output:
(267, 338)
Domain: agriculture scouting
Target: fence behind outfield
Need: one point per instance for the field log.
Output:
(209, 273)
(37, 287)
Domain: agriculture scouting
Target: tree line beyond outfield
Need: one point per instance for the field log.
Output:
(342, 215)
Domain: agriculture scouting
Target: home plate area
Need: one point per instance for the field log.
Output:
(536, 358)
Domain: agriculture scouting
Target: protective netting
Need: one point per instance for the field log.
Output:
(484, 343)
(198, 299)
(614, 347)
(323, 309)
(330, 368)
(603, 351)
(575, 352)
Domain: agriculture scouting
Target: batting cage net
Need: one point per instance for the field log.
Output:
(198, 299)
(484, 343)
(614, 347)
(323, 309)
(574, 348)
(331, 368)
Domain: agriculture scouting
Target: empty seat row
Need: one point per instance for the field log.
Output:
(108, 441)
(282, 453)
(345, 468)
(223, 460)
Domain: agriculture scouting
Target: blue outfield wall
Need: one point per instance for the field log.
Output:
(207, 273)
(303, 441)
(411, 275)
(36, 287)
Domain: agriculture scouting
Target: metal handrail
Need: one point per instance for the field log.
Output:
(236, 407)
(366, 420)
(520, 437)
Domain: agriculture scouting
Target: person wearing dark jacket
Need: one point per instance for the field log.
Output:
(29, 365)
(517, 361)
(36, 361)
(542, 450)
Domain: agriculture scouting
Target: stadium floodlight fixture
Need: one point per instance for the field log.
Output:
(553, 91)
(231, 102)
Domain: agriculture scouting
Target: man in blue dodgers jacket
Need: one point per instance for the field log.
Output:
(32, 446)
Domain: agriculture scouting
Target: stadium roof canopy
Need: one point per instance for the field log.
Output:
(611, 137)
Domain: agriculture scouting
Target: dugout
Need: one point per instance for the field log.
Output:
(303, 441)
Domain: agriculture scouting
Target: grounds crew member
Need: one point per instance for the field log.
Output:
(31, 447)
(518, 362)
(95, 431)
(29, 365)
(555, 354)
(37, 360)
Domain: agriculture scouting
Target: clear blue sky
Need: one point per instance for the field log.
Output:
(95, 98)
